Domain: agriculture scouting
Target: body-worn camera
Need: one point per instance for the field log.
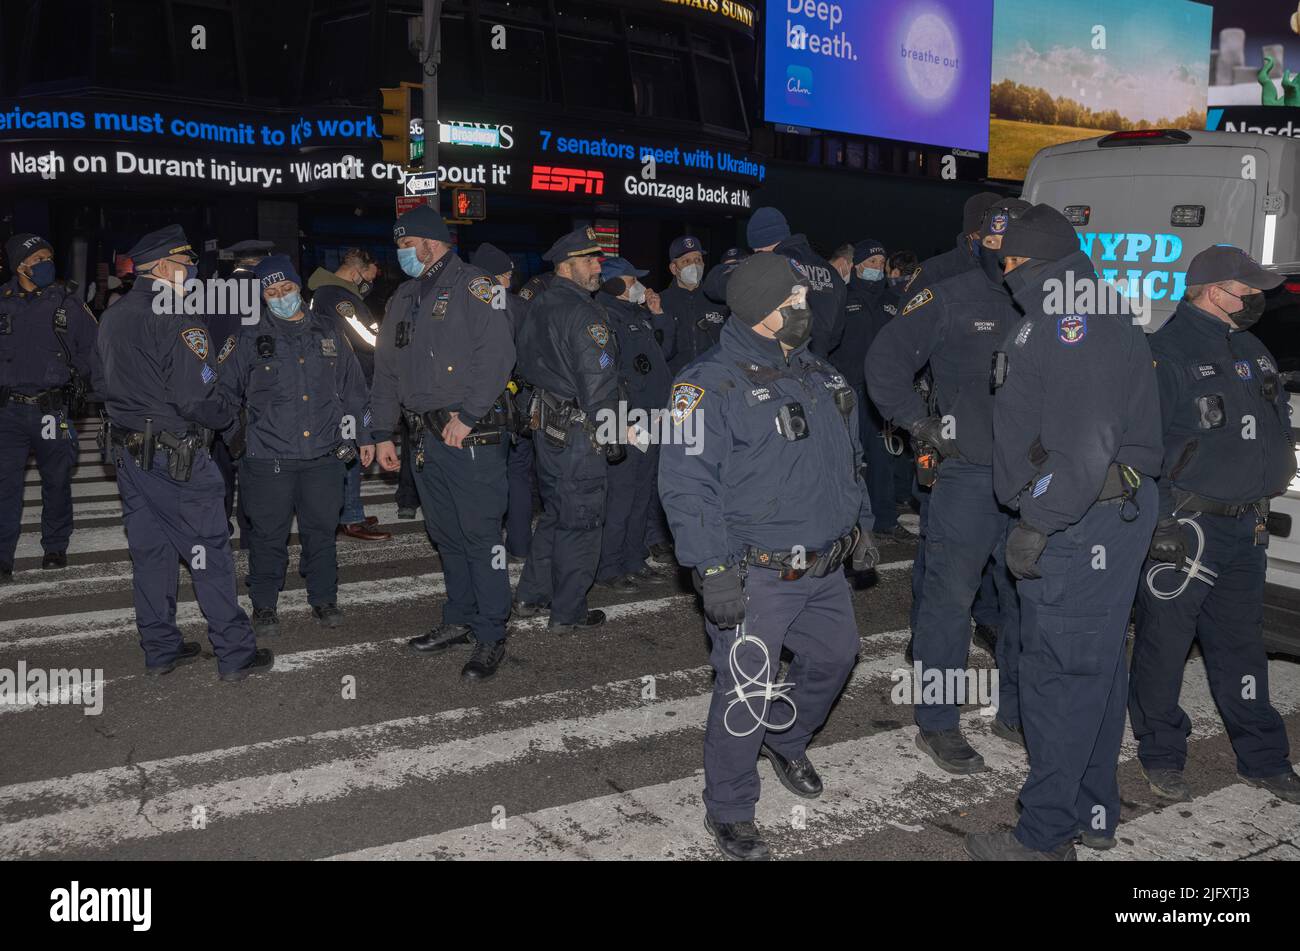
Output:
(791, 422)
(265, 347)
(1211, 409)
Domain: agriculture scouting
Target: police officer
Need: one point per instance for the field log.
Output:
(644, 378)
(305, 400)
(1228, 450)
(1076, 444)
(766, 502)
(443, 361)
(965, 255)
(768, 231)
(47, 365)
(871, 305)
(341, 294)
(534, 286)
(163, 404)
(570, 356)
(520, 467)
(692, 322)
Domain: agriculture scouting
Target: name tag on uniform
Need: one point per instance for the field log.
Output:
(634, 326)
(328, 347)
(759, 394)
(1203, 371)
(984, 326)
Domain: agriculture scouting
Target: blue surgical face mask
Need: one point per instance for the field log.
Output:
(42, 273)
(286, 306)
(409, 259)
(870, 274)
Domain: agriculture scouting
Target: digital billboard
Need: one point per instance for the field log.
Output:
(1075, 69)
(913, 70)
(1255, 54)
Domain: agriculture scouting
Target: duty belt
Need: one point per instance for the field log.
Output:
(794, 564)
(47, 401)
(1121, 482)
(1190, 501)
(436, 420)
(180, 448)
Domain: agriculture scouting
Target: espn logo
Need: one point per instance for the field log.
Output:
(554, 179)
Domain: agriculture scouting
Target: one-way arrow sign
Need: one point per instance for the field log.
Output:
(422, 183)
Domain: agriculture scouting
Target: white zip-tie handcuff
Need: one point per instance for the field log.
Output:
(766, 690)
(893, 444)
(1192, 566)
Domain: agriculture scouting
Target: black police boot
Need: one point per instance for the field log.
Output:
(950, 751)
(266, 623)
(1286, 786)
(1168, 784)
(594, 619)
(406, 513)
(623, 584)
(1095, 840)
(1012, 734)
(55, 559)
(441, 638)
(651, 573)
(329, 615)
(796, 775)
(262, 660)
(485, 660)
(738, 841)
(1005, 847)
(527, 608)
(189, 652)
(986, 638)
(6, 573)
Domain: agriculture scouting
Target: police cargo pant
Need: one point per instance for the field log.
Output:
(987, 609)
(880, 465)
(272, 492)
(628, 494)
(813, 618)
(566, 545)
(25, 431)
(169, 522)
(1227, 620)
(1073, 676)
(463, 498)
(521, 469)
(965, 528)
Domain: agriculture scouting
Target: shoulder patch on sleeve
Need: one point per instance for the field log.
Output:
(686, 396)
(227, 349)
(196, 338)
(526, 293)
(1023, 335)
(345, 309)
(481, 288)
(920, 300)
(599, 333)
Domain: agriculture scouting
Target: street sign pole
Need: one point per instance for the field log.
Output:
(430, 58)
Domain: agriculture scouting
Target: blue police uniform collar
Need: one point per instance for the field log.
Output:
(570, 285)
(740, 340)
(1202, 321)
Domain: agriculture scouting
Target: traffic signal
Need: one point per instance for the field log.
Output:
(469, 203)
(397, 111)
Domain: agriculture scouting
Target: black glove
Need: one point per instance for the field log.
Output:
(865, 554)
(929, 430)
(615, 453)
(1024, 545)
(1168, 543)
(724, 598)
(235, 438)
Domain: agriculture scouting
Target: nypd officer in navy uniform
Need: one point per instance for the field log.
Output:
(692, 321)
(644, 377)
(47, 366)
(444, 358)
(964, 256)
(955, 326)
(305, 400)
(1076, 445)
(163, 404)
(766, 502)
(569, 354)
(1228, 450)
(769, 231)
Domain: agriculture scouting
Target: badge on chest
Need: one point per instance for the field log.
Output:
(441, 303)
(329, 347)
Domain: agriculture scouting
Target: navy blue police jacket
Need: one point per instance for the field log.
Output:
(732, 480)
(696, 324)
(566, 348)
(1080, 394)
(159, 364)
(534, 286)
(826, 293)
(955, 325)
(870, 306)
(225, 326)
(1225, 415)
(305, 395)
(643, 372)
(333, 295)
(443, 345)
(31, 357)
(956, 260)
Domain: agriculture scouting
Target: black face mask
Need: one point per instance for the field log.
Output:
(1028, 279)
(797, 326)
(1252, 308)
(988, 261)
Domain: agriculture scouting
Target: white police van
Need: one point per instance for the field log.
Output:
(1144, 204)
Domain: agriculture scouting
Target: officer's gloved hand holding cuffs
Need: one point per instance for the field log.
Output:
(724, 596)
(865, 554)
(1168, 543)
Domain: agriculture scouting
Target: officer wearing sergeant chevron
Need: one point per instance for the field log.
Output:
(767, 503)
(1076, 442)
(444, 358)
(47, 361)
(955, 326)
(1228, 450)
(305, 400)
(570, 356)
(163, 405)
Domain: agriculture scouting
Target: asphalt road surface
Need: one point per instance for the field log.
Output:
(580, 747)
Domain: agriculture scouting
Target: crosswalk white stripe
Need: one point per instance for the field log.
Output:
(871, 783)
